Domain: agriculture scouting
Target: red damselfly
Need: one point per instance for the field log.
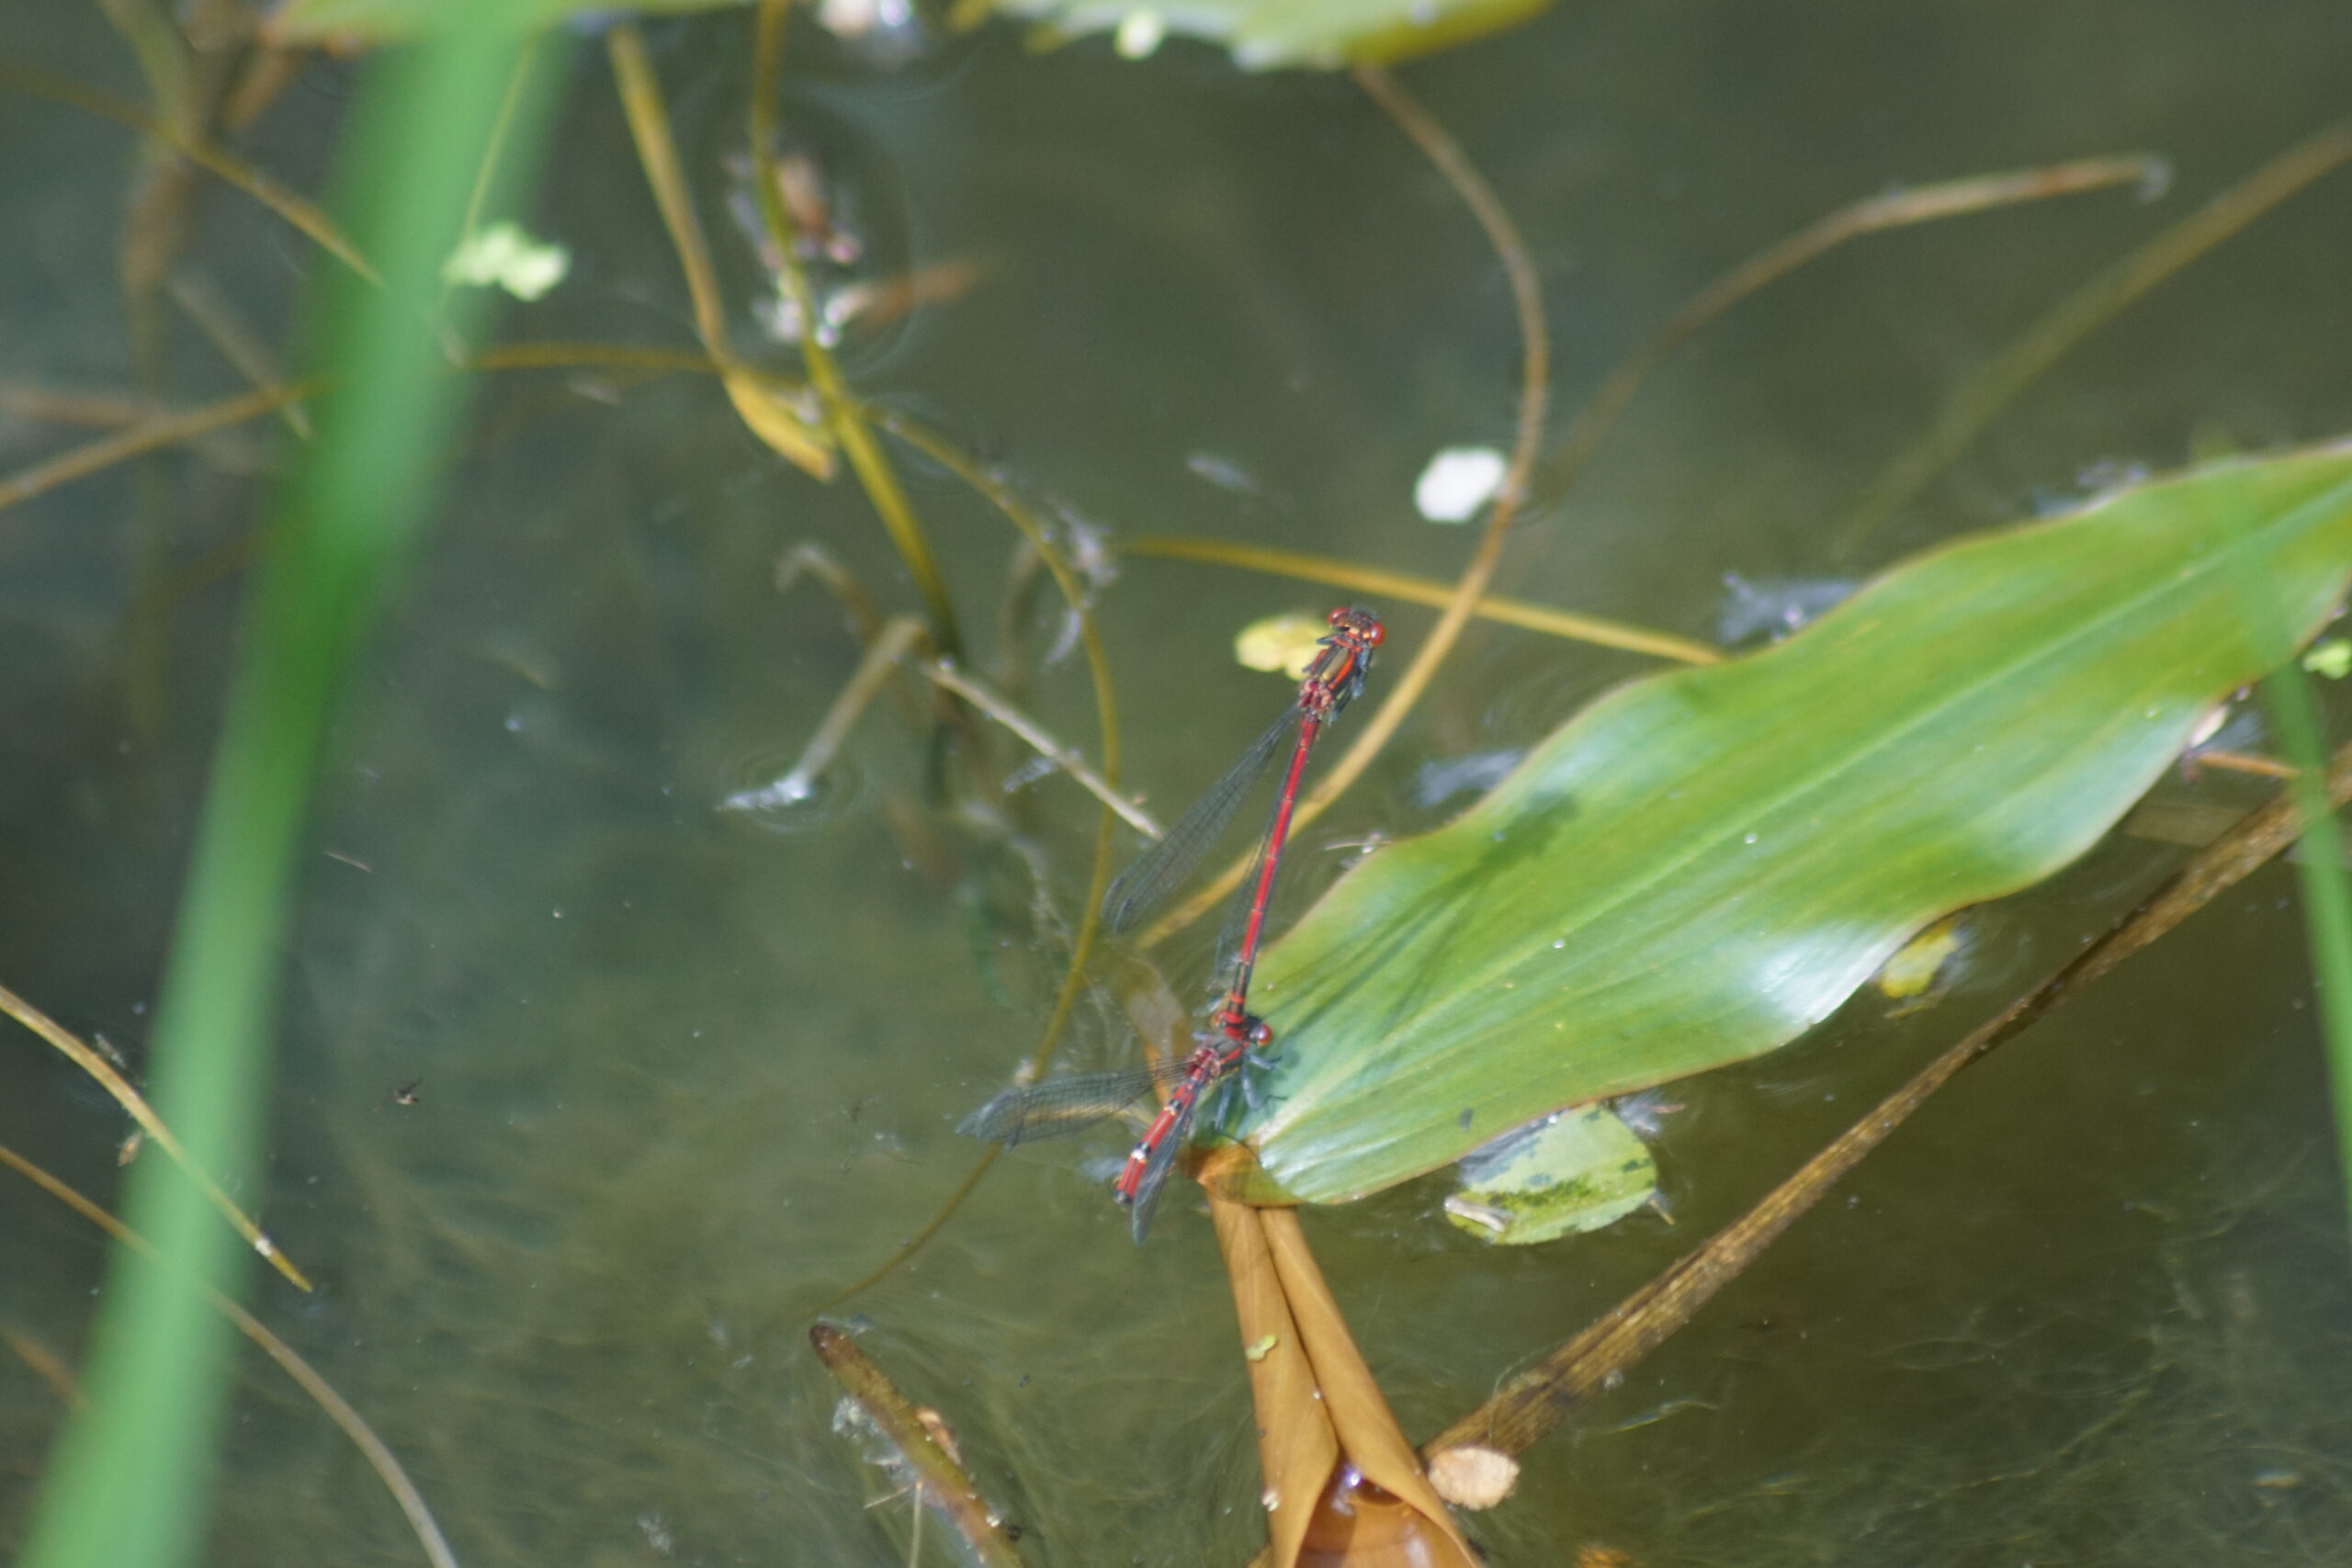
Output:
(1076, 1102)
(1343, 659)
(1079, 1100)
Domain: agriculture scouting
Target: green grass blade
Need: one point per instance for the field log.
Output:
(129, 1482)
(2327, 901)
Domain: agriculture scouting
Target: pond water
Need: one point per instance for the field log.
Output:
(679, 1079)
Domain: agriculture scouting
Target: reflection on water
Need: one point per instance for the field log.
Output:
(677, 1083)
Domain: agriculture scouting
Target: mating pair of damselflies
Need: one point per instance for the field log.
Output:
(1234, 1034)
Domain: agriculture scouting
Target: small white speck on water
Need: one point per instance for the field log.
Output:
(1458, 482)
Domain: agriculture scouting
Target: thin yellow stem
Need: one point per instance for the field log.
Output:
(1106, 704)
(844, 416)
(132, 1100)
(648, 124)
(1334, 572)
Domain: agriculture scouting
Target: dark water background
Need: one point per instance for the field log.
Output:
(681, 1079)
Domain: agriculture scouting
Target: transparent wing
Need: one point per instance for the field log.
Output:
(1058, 1107)
(1162, 868)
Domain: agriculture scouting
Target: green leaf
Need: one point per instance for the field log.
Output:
(1262, 34)
(1704, 864)
(1561, 1175)
(1267, 34)
(378, 21)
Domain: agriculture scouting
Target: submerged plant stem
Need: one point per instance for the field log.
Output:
(2076, 317)
(935, 1474)
(1920, 204)
(939, 449)
(843, 414)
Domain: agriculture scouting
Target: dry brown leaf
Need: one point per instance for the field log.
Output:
(1342, 1484)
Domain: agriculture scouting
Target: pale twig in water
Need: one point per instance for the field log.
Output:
(918, 1447)
(948, 676)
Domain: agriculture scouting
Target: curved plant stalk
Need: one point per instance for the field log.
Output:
(844, 416)
(1334, 572)
(1894, 209)
(1106, 706)
(790, 431)
(1536, 378)
(1535, 1400)
(809, 558)
(917, 1447)
(1323, 1426)
(296, 209)
(2074, 318)
(379, 1457)
(132, 1100)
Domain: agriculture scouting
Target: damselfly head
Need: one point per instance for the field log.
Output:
(1359, 624)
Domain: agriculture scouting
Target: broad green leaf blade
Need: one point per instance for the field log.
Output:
(1265, 35)
(383, 21)
(1704, 864)
(1262, 34)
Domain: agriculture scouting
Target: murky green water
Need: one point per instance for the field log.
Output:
(679, 1081)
